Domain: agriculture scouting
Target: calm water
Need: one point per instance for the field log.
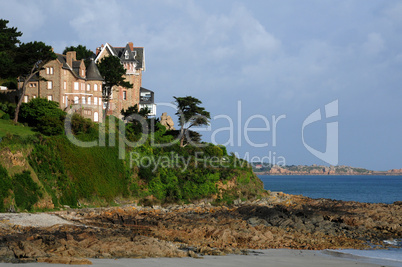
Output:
(371, 189)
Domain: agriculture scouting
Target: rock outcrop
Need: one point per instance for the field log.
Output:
(167, 121)
(278, 221)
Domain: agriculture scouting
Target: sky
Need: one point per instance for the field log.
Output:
(294, 82)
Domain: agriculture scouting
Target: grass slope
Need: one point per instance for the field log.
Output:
(8, 127)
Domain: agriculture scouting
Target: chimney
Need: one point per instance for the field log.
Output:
(71, 56)
(130, 44)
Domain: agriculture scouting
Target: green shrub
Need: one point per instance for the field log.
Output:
(43, 115)
(49, 125)
(5, 186)
(6, 116)
(26, 191)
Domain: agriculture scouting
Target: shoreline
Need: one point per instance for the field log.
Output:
(267, 257)
(327, 174)
(281, 222)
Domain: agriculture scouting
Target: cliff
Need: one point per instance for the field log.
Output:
(38, 172)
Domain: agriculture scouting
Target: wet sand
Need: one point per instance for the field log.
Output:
(267, 258)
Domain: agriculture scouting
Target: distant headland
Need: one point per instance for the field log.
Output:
(269, 169)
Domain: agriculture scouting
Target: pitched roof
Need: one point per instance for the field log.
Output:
(93, 72)
(134, 54)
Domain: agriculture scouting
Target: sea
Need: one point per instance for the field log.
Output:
(360, 188)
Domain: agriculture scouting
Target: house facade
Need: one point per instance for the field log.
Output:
(133, 60)
(70, 83)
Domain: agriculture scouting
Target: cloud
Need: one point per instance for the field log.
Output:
(27, 16)
(374, 44)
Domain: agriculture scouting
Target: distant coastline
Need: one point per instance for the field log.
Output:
(268, 169)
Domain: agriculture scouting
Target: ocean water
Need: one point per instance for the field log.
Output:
(370, 189)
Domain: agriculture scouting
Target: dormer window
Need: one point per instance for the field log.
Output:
(126, 55)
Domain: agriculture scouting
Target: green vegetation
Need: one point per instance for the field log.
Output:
(113, 73)
(70, 175)
(39, 162)
(9, 127)
(190, 114)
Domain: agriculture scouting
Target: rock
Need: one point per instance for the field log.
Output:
(167, 121)
(6, 254)
(254, 221)
(65, 260)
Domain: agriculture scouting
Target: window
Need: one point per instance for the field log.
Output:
(33, 96)
(50, 97)
(49, 70)
(87, 112)
(83, 100)
(126, 55)
(65, 72)
(49, 85)
(26, 98)
(96, 116)
(88, 87)
(95, 100)
(76, 86)
(83, 73)
(95, 87)
(89, 100)
(124, 95)
(32, 85)
(76, 99)
(65, 85)
(82, 86)
(100, 101)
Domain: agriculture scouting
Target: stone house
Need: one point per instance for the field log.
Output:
(133, 60)
(69, 82)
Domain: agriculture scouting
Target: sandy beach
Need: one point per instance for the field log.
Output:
(267, 258)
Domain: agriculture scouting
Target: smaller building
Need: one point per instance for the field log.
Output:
(147, 100)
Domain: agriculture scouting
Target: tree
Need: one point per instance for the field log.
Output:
(29, 60)
(8, 47)
(44, 115)
(135, 110)
(113, 73)
(82, 53)
(190, 114)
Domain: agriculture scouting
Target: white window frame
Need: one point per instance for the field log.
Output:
(65, 85)
(26, 99)
(95, 100)
(76, 100)
(88, 87)
(124, 95)
(76, 86)
(49, 85)
(95, 87)
(50, 97)
(89, 100)
(83, 100)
